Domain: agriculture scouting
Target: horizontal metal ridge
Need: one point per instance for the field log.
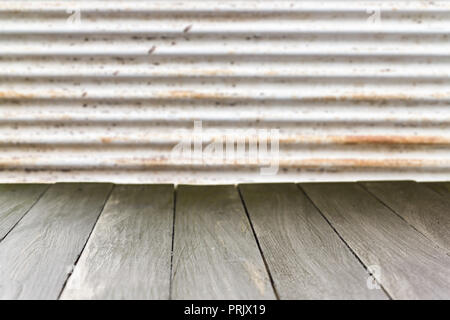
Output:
(107, 90)
(209, 5)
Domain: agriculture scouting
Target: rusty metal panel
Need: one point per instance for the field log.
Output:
(117, 90)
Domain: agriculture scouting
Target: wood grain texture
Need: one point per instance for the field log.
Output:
(443, 188)
(215, 253)
(411, 266)
(15, 201)
(39, 253)
(129, 252)
(306, 258)
(421, 207)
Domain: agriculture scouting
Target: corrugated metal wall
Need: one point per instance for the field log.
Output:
(104, 90)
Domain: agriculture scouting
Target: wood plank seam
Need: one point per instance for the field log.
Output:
(128, 254)
(87, 240)
(18, 221)
(437, 191)
(435, 186)
(215, 252)
(409, 224)
(411, 267)
(431, 188)
(173, 239)
(345, 243)
(272, 282)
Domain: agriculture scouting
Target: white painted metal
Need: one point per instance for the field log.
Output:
(104, 90)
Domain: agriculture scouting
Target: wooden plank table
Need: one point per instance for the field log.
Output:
(215, 252)
(129, 252)
(15, 201)
(371, 240)
(38, 255)
(421, 207)
(307, 259)
(410, 265)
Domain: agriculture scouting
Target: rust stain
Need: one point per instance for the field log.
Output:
(313, 164)
(11, 94)
(440, 95)
(390, 140)
(186, 94)
(368, 139)
(357, 163)
(292, 163)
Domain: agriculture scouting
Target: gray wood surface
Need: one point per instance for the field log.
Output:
(215, 253)
(129, 252)
(15, 201)
(410, 266)
(39, 253)
(443, 188)
(421, 207)
(306, 258)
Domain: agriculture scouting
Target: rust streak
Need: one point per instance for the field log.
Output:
(356, 163)
(106, 140)
(368, 139)
(14, 94)
(390, 140)
(292, 163)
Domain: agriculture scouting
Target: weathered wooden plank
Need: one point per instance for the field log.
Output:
(15, 201)
(38, 254)
(410, 266)
(306, 258)
(129, 252)
(421, 207)
(443, 188)
(215, 253)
